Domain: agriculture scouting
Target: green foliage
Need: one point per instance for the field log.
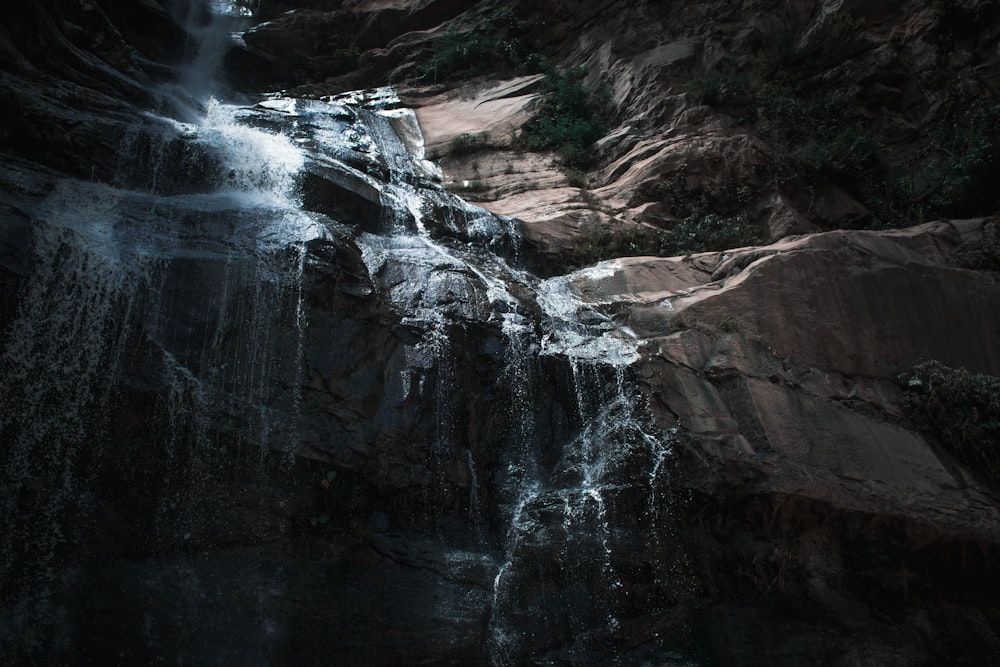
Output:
(337, 61)
(606, 243)
(725, 85)
(816, 138)
(458, 53)
(785, 91)
(683, 201)
(566, 120)
(711, 217)
(731, 324)
(960, 410)
(505, 41)
(959, 179)
(983, 255)
(467, 144)
(813, 133)
(784, 67)
(710, 233)
(839, 37)
(577, 178)
(817, 134)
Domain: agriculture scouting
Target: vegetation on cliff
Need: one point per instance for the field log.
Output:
(961, 411)
(509, 42)
(800, 96)
(861, 117)
(703, 219)
(504, 42)
(566, 120)
(981, 254)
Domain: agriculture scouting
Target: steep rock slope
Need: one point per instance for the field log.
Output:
(780, 364)
(820, 111)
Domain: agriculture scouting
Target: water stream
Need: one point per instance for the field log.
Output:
(170, 324)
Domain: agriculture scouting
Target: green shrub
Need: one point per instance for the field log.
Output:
(960, 410)
(337, 61)
(983, 255)
(838, 38)
(725, 85)
(577, 178)
(608, 243)
(727, 199)
(731, 324)
(960, 179)
(505, 41)
(786, 92)
(814, 134)
(712, 217)
(467, 144)
(784, 63)
(566, 120)
(817, 138)
(709, 233)
(813, 131)
(457, 53)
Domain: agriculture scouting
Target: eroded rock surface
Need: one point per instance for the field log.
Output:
(712, 93)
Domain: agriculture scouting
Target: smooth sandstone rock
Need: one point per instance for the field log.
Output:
(767, 355)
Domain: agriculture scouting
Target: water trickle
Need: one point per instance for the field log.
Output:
(431, 258)
(158, 307)
(168, 316)
(68, 315)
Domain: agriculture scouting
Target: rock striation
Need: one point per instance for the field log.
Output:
(701, 92)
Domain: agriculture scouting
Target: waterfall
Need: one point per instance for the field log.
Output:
(157, 304)
(271, 364)
(436, 286)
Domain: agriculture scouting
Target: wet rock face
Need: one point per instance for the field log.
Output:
(260, 365)
(289, 393)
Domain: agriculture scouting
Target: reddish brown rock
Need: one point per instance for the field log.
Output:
(782, 363)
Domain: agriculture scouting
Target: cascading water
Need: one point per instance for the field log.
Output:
(157, 305)
(271, 367)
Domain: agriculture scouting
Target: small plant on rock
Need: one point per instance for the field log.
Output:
(983, 255)
(960, 410)
(467, 144)
(566, 120)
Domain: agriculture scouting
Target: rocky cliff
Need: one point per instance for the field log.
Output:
(277, 394)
